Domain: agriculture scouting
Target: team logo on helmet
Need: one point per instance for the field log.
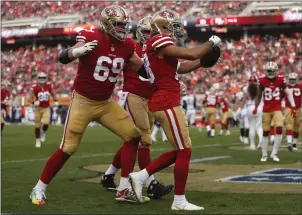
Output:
(166, 14)
(111, 12)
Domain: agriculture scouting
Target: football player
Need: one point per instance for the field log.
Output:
(5, 99)
(136, 93)
(224, 106)
(240, 114)
(210, 102)
(102, 56)
(293, 123)
(189, 104)
(40, 98)
(272, 88)
(156, 128)
(162, 66)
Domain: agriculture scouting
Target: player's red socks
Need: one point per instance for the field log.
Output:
(213, 126)
(272, 131)
(117, 158)
(2, 126)
(45, 127)
(162, 162)
(37, 133)
(128, 157)
(289, 132)
(181, 170)
(53, 166)
(144, 157)
(222, 126)
(279, 130)
(265, 133)
(296, 135)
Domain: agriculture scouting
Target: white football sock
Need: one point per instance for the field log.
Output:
(289, 139)
(295, 141)
(208, 128)
(41, 186)
(277, 144)
(272, 138)
(178, 199)
(149, 180)
(111, 170)
(252, 135)
(163, 135)
(154, 132)
(124, 184)
(264, 144)
(212, 132)
(143, 175)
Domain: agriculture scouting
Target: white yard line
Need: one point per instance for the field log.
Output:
(106, 154)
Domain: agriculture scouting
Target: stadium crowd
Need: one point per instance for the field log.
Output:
(21, 66)
(136, 9)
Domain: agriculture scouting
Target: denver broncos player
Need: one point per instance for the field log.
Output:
(210, 102)
(293, 123)
(136, 93)
(162, 66)
(40, 96)
(98, 68)
(5, 97)
(272, 88)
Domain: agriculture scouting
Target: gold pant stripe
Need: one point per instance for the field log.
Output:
(176, 132)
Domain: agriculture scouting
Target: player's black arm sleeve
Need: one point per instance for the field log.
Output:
(63, 57)
(194, 103)
(184, 105)
(142, 72)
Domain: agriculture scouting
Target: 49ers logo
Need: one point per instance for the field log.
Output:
(111, 12)
(166, 14)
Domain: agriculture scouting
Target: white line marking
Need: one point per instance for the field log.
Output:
(207, 159)
(106, 154)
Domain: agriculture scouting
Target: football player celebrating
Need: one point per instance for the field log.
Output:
(136, 93)
(98, 68)
(40, 96)
(210, 103)
(162, 66)
(293, 123)
(5, 97)
(272, 87)
(224, 106)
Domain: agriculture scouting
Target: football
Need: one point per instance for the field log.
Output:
(211, 58)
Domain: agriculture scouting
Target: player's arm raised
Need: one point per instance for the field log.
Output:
(79, 49)
(258, 98)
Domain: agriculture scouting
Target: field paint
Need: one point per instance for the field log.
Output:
(207, 159)
(108, 154)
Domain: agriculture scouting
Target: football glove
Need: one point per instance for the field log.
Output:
(183, 88)
(83, 50)
(255, 111)
(56, 103)
(37, 103)
(216, 40)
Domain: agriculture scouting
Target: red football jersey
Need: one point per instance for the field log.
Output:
(273, 92)
(211, 100)
(223, 105)
(4, 96)
(42, 92)
(162, 73)
(99, 69)
(134, 83)
(297, 94)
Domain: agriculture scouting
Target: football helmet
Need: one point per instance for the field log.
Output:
(271, 70)
(42, 78)
(143, 31)
(114, 21)
(167, 22)
(292, 79)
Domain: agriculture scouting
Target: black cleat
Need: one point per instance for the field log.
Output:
(209, 133)
(156, 190)
(295, 147)
(107, 181)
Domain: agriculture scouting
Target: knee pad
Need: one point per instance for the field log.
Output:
(279, 130)
(146, 139)
(69, 147)
(134, 134)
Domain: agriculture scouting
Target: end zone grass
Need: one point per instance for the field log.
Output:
(22, 164)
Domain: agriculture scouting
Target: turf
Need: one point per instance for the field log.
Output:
(22, 164)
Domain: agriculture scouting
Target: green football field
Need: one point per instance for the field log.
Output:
(76, 189)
